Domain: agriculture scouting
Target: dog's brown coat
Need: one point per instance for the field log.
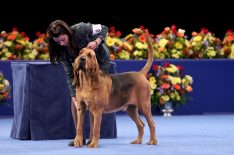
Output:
(103, 93)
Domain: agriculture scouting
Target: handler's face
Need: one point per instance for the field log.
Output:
(62, 40)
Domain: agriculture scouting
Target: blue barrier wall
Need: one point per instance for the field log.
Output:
(212, 88)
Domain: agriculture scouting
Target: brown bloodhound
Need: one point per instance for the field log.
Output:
(103, 93)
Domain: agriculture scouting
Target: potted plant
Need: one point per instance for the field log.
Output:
(4, 89)
(169, 85)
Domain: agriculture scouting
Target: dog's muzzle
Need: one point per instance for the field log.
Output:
(82, 63)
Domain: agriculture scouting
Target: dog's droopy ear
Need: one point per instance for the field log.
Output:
(75, 80)
(95, 77)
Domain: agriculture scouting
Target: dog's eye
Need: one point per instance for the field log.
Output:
(89, 55)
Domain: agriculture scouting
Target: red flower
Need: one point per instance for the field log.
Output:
(173, 29)
(180, 68)
(167, 64)
(204, 30)
(155, 67)
(118, 33)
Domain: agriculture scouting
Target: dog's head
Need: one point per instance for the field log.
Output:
(87, 63)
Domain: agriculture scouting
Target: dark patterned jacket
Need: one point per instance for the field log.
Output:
(83, 34)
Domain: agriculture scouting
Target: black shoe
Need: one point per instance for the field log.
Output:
(84, 141)
(71, 143)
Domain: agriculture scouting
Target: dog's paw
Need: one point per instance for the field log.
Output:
(93, 144)
(152, 142)
(78, 141)
(138, 141)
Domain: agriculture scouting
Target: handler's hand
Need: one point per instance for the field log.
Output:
(92, 45)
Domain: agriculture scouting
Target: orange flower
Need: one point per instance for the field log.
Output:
(189, 88)
(194, 34)
(112, 56)
(165, 86)
(11, 37)
(137, 31)
(164, 76)
(177, 86)
(230, 38)
(166, 30)
(179, 34)
(142, 38)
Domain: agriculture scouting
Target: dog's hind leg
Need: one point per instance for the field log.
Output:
(146, 111)
(133, 113)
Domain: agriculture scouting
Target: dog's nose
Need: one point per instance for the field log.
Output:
(82, 59)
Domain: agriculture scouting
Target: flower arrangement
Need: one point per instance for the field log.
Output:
(132, 46)
(40, 47)
(228, 44)
(205, 45)
(138, 43)
(169, 83)
(172, 43)
(4, 89)
(115, 44)
(15, 46)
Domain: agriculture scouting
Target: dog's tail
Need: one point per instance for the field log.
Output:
(150, 59)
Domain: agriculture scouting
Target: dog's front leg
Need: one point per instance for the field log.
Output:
(78, 141)
(91, 128)
(97, 118)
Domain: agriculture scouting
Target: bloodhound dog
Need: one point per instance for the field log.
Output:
(104, 93)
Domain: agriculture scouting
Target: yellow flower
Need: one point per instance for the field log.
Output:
(232, 52)
(8, 43)
(175, 80)
(178, 98)
(165, 98)
(163, 42)
(175, 54)
(189, 78)
(153, 86)
(211, 52)
(178, 45)
(138, 53)
(152, 80)
(140, 45)
(172, 95)
(187, 43)
(128, 36)
(124, 55)
(22, 42)
(6, 83)
(109, 41)
(172, 69)
(118, 41)
(197, 38)
(1, 87)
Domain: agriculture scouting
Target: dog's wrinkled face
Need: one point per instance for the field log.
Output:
(86, 60)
